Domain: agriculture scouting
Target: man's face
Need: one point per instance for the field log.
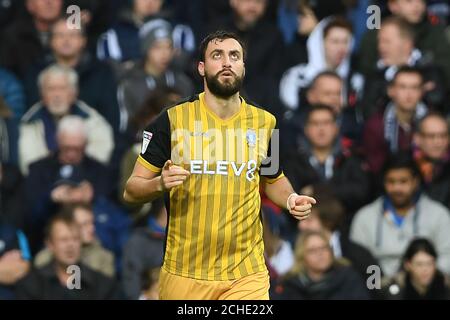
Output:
(58, 94)
(400, 186)
(65, 243)
(393, 49)
(422, 268)
(71, 147)
(326, 90)
(249, 11)
(160, 54)
(406, 91)
(45, 10)
(65, 42)
(145, 8)
(85, 221)
(337, 46)
(223, 68)
(321, 129)
(433, 138)
(410, 10)
(318, 256)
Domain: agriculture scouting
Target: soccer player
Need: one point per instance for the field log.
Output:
(208, 155)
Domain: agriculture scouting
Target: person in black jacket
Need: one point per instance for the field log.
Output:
(67, 176)
(317, 275)
(26, 39)
(65, 278)
(322, 159)
(264, 50)
(419, 278)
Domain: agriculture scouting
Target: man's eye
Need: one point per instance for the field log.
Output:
(216, 55)
(234, 56)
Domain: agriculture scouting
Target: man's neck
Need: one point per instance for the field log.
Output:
(403, 211)
(404, 118)
(322, 154)
(41, 25)
(224, 108)
(151, 70)
(71, 62)
(315, 276)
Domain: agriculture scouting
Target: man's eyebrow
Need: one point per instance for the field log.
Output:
(217, 50)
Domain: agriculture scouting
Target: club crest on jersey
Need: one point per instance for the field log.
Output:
(251, 138)
(147, 136)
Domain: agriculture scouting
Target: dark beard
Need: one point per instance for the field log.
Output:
(223, 90)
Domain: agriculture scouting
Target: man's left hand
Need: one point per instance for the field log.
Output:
(300, 206)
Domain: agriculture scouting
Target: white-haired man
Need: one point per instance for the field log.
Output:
(66, 177)
(37, 133)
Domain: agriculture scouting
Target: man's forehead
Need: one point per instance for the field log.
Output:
(228, 44)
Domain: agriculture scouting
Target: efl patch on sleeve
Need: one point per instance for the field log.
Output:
(147, 136)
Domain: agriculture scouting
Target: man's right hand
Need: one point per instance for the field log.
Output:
(172, 176)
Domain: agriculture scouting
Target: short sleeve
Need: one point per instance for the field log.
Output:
(155, 147)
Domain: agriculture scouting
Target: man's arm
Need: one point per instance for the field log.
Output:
(145, 185)
(282, 194)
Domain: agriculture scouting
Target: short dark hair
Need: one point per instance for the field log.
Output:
(327, 73)
(319, 107)
(407, 69)
(329, 208)
(219, 35)
(65, 216)
(337, 22)
(401, 160)
(419, 245)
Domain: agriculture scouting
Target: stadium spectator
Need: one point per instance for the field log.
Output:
(387, 225)
(153, 72)
(430, 38)
(262, 70)
(392, 130)
(93, 254)
(144, 250)
(122, 42)
(323, 159)
(432, 156)
(11, 91)
(27, 38)
(316, 274)
(14, 257)
(37, 137)
(325, 89)
(328, 217)
(329, 48)
(97, 86)
(52, 282)
(419, 279)
(67, 176)
(396, 48)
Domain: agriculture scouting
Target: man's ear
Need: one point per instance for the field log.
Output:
(201, 68)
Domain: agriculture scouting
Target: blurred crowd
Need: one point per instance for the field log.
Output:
(363, 111)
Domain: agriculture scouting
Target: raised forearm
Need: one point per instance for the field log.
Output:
(142, 190)
(279, 191)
